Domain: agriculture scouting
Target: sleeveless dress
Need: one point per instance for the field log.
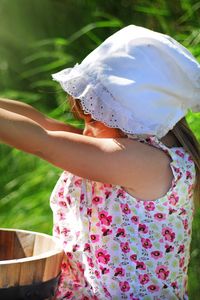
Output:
(120, 247)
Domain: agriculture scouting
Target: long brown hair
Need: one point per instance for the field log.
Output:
(182, 132)
(189, 142)
(75, 107)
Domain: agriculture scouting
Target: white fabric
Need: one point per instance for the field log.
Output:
(138, 80)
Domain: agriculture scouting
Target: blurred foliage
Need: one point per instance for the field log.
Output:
(41, 37)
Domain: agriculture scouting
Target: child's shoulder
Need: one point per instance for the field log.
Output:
(159, 167)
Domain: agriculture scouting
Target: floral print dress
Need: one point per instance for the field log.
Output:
(120, 247)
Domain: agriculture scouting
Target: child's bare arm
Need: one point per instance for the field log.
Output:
(33, 114)
(116, 161)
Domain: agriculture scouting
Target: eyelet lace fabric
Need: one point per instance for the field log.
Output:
(101, 104)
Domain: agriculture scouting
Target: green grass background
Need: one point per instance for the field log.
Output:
(40, 37)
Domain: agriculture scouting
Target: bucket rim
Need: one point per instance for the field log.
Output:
(50, 253)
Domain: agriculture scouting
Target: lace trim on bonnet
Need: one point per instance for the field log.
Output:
(96, 99)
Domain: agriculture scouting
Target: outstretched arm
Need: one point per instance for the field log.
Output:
(117, 161)
(33, 114)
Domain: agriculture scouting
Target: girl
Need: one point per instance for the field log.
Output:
(123, 207)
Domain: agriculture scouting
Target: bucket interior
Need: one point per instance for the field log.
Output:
(19, 244)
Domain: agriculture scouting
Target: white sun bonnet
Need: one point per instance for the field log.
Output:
(138, 80)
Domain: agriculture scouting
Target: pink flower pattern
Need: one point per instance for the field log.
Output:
(156, 254)
(119, 272)
(144, 278)
(125, 247)
(146, 243)
(120, 247)
(124, 286)
(149, 206)
(162, 271)
(160, 216)
(125, 208)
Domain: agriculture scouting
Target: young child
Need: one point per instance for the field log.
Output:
(123, 206)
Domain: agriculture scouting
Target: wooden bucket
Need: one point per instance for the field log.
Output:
(29, 265)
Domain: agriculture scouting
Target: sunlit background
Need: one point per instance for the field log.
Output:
(40, 37)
